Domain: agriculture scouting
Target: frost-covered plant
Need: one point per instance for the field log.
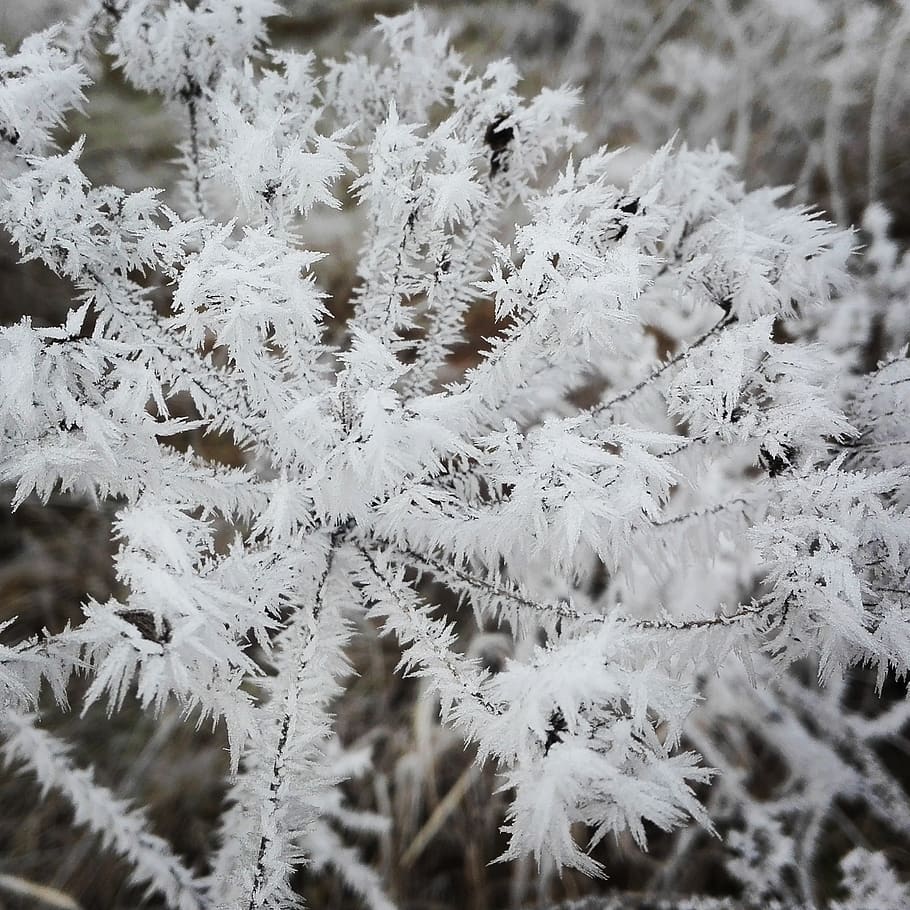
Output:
(647, 479)
(807, 92)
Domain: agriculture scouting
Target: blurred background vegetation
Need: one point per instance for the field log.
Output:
(814, 94)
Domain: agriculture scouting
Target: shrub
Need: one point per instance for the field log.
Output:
(653, 477)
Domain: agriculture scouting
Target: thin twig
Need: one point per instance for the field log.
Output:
(658, 371)
(280, 752)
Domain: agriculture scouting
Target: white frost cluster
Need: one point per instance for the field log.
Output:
(650, 412)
